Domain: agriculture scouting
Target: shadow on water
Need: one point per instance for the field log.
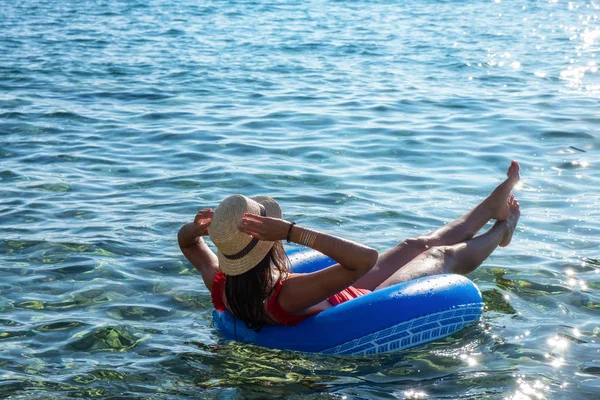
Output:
(253, 371)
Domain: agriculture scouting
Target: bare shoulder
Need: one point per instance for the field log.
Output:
(302, 291)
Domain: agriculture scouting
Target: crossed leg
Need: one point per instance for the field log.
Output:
(460, 258)
(394, 261)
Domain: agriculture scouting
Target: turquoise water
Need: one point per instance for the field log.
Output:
(375, 121)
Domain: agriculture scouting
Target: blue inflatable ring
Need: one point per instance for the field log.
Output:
(405, 315)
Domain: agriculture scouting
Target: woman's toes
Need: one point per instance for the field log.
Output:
(513, 170)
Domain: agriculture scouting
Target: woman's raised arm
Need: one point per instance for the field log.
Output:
(194, 248)
(305, 290)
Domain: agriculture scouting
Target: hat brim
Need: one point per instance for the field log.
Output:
(260, 250)
(270, 205)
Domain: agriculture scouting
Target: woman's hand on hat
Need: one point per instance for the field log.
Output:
(264, 228)
(202, 221)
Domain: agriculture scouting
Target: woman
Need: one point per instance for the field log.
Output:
(250, 278)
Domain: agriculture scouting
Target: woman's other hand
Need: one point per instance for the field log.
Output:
(202, 221)
(264, 228)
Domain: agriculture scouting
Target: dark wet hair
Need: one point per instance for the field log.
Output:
(246, 293)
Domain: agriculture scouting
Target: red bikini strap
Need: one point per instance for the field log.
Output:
(218, 290)
(279, 313)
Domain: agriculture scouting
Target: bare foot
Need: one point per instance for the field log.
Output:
(514, 212)
(497, 201)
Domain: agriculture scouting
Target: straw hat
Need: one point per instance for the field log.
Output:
(239, 252)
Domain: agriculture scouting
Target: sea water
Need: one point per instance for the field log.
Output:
(371, 120)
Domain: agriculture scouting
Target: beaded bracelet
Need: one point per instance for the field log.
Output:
(290, 231)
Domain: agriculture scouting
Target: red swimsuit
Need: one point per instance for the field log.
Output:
(274, 308)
